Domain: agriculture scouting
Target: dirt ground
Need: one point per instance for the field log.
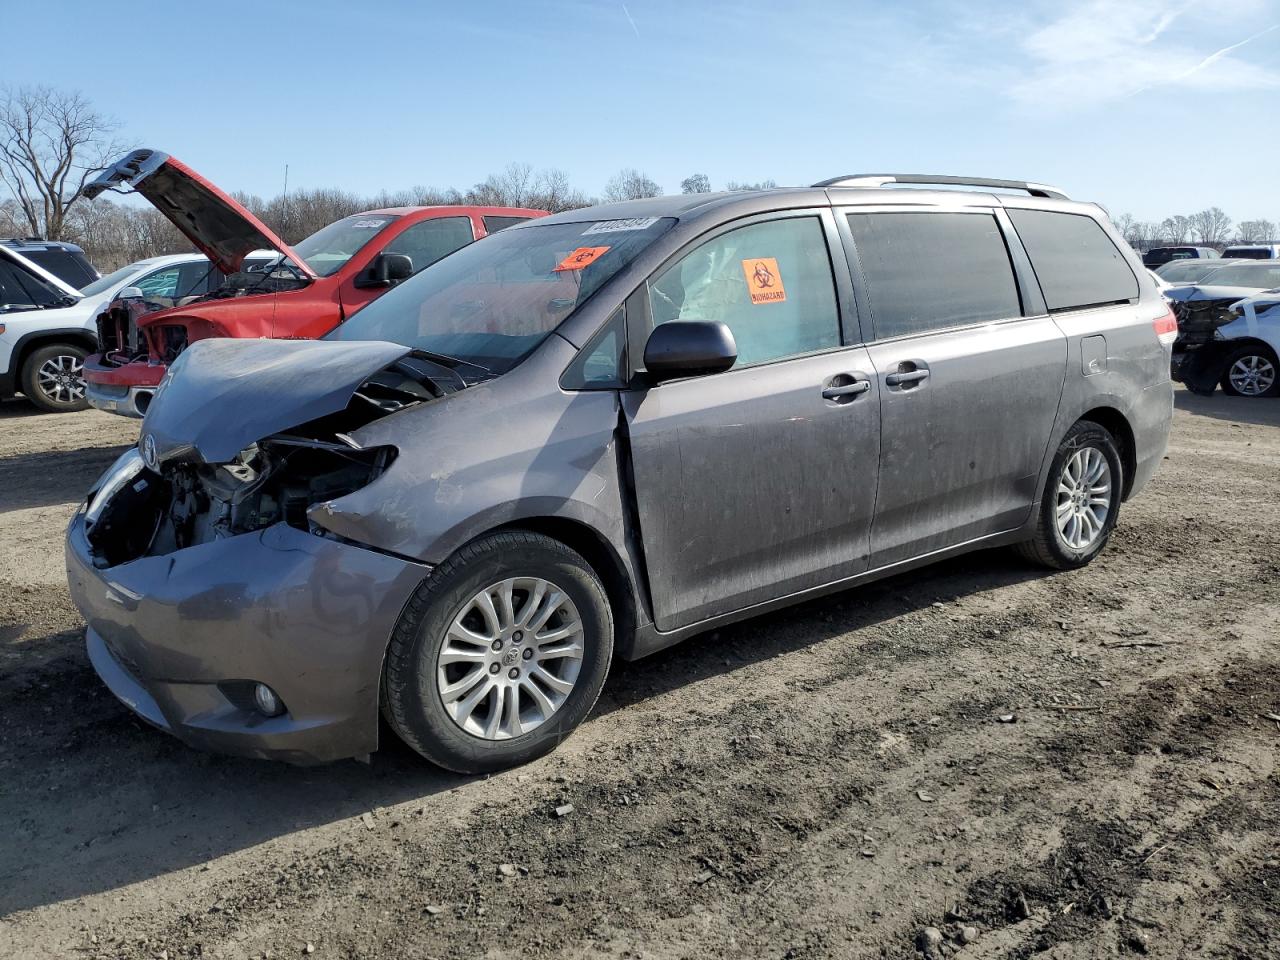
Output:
(1072, 765)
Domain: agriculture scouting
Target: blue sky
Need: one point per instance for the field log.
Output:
(1148, 107)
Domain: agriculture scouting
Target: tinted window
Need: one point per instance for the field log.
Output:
(929, 271)
(494, 224)
(66, 265)
(1074, 259)
(19, 289)
(426, 242)
(1248, 253)
(770, 282)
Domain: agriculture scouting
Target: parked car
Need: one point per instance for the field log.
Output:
(1180, 272)
(1213, 337)
(325, 279)
(66, 261)
(1254, 251)
(51, 347)
(1160, 255)
(595, 434)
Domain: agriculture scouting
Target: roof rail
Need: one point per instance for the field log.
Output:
(880, 179)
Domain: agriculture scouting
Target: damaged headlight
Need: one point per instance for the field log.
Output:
(118, 476)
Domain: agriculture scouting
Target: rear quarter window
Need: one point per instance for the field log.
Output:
(1075, 261)
(495, 223)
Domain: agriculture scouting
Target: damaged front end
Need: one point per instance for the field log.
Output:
(206, 590)
(143, 512)
(1198, 350)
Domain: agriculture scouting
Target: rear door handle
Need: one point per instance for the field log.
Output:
(910, 376)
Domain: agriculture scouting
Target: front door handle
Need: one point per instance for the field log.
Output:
(842, 389)
(906, 378)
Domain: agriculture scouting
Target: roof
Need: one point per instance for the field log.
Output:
(452, 209)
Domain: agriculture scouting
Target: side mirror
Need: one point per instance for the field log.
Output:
(387, 270)
(130, 293)
(686, 348)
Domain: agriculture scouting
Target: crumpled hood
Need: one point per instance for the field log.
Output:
(221, 229)
(1209, 292)
(223, 394)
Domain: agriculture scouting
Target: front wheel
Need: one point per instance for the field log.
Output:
(53, 378)
(1081, 499)
(499, 655)
(1250, 371)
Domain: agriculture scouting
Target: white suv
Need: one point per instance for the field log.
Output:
(47, 327)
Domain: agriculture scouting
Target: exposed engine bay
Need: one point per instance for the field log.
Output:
(277, 479)
(120, 337)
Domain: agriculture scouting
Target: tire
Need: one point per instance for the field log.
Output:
(1052, 546)
(1258, 373)
(53, 378)
(414, 681)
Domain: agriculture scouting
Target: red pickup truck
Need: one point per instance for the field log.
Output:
(303, 293)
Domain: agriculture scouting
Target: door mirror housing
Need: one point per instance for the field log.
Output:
(129, 293)
(688, 348)
(386, 270)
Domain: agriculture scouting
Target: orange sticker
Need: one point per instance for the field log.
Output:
(582, 257)
(764, 281)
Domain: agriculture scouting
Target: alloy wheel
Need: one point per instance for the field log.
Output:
(1252, 376)
(1084, 497)
(61, 378)
(511, 658)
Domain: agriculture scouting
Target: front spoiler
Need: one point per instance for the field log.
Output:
(307, 615)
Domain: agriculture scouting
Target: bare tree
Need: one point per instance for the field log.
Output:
(51, 141)
(1175, 229)
(1210, 226)
(761, 185)
(630, 184)
(1255, 231)
(510, 188)
(698, 183)
(1143, 235)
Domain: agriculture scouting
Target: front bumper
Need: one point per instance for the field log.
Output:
(175, 637)
(125, 389)
(126, 401)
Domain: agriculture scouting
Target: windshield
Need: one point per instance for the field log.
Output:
(111, 279)
(1261, 275)
(1186, 271)
(492, 302)
(326, 250)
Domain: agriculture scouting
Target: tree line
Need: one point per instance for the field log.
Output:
(1208, 228)
(53, 141)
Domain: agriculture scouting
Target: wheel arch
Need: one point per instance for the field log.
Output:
(1117, 424)
(1235, 343)
(28, 343)
(604, 560)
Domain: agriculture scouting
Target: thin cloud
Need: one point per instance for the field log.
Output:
(1115, 49)
(631, 21)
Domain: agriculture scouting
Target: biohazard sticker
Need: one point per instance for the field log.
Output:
(582, 257)
(620, 226)
(764, 281)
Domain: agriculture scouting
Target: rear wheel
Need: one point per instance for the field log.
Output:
(500, 654)
(1251, 371)
(1081, 499)
(53, 378)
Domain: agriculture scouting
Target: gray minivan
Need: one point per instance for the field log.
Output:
(598, 433)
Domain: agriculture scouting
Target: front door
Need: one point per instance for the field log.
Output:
(758, 482)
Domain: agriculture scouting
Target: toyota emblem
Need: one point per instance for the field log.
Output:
(149, 453)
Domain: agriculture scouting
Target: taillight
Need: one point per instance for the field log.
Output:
(1166, 327)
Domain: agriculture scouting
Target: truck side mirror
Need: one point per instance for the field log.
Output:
(386, 270)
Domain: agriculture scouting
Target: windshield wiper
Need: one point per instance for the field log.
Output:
(447, 360)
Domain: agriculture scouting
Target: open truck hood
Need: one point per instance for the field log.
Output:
(220, 228)
(223, 394)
